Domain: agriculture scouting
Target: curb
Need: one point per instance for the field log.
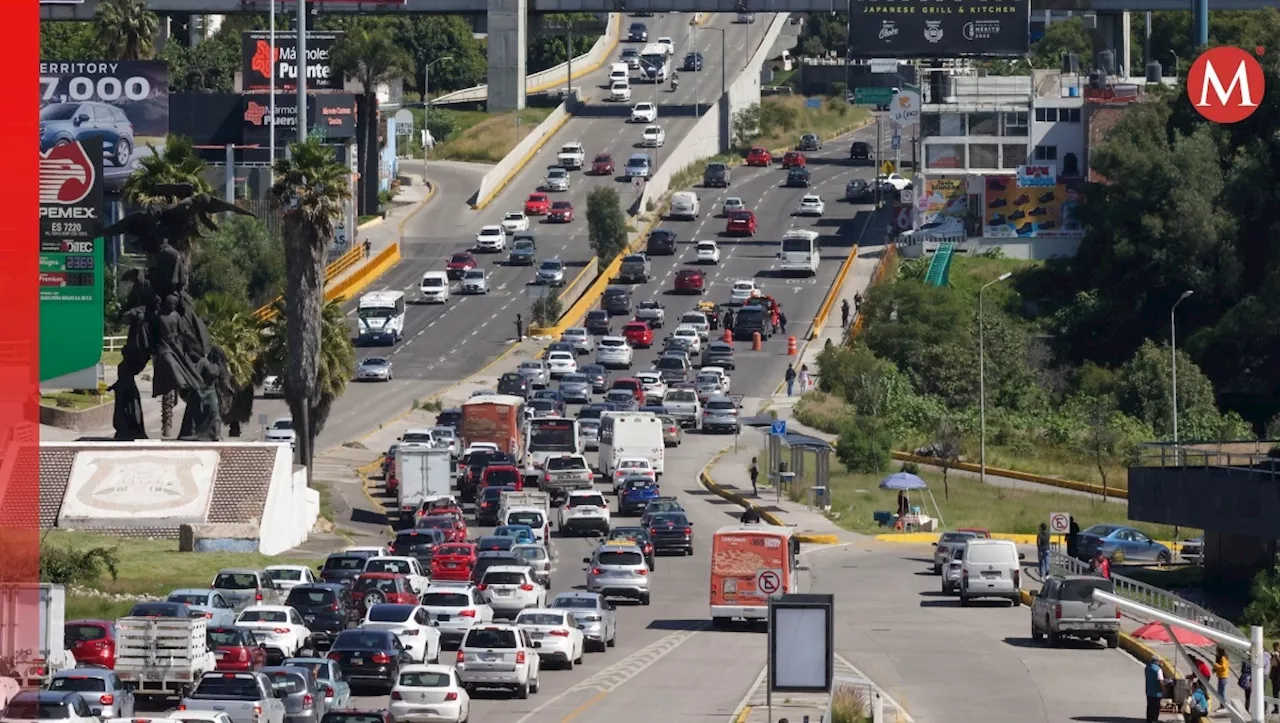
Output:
(1089, 487)
(363, 472)
(371, 223)
(705, 478)
(498, 189)
(742, 715)
(820, 319)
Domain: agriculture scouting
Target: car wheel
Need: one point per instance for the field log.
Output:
(569, 662)
(644, 600)
(1163, 558)
(1113, 641)
(523, 692)
(124, 150)
(964, 600)
(612, 641)
(1054, 638)
(581, 653)
(537, 682)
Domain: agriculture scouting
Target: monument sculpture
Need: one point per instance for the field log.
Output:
(160, 315)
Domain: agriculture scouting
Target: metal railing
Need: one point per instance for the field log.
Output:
(1248, 455)
(113, 343)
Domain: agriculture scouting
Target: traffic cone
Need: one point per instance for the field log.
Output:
(728, 335)
(791, 346)
(755, 341)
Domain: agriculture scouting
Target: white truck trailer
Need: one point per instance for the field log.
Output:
(424, 473)
(162, 657)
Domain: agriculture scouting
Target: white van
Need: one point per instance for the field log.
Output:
(435, 287)
(991, 568)
(619, 72)
(685, 205)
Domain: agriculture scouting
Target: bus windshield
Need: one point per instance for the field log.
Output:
(553, 435)
(797, 245)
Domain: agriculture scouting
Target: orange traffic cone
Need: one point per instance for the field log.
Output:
(755, 341)
(791, 346)
(728, 335)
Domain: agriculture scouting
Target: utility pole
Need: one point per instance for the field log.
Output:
(271, 80)
(302, 71)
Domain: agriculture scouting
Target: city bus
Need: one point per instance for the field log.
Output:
(799, 252)
(549, 437)
(745, 559)
(631, 434)
(496, 419)
(381, 317)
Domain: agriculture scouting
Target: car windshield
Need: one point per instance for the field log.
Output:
(490, 638)
(574, 378)
(620, 558)
(426, 680)
(446, 600)
(504, 578)
(81, 633)
(58, 112)
(190, 598)
(550, 265)
(228, 638)
(460, 258)
(236, 581)
(586, 501)
(532, 519)
(362, 640)
(310, 596)
(540, 619)
(157, 610)
(721, 406)
(990, 554)
(574, 603)
(496, 543)
(378, 583)
(1082, 590)
(672, 363)
(78, 684)
(669, 519)
(290, 683)
(390, 613)
(34, 710)
(1101, 530)
(264, 616)
(401, 567)
(531, 552)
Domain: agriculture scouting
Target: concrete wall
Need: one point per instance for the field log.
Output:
(291, 509)
(501, 174)
(744, 91)
(703, 141)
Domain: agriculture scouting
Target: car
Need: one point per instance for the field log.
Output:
(692, 61)
(811, 205)
(370, 657)
(856, 190)
(561, 212)
(651, 385)
(602, 165)
(634, 495)
(551, 272)
(499, 656)
(944, 549)
(1120, 543)
(594, 616)
(599, 378)
(638, 334)
(459, 264)
(32, 706)
(644, 113)
(434, 287)
(407, 565)
(537, 204)
(91, 642)
(716, 175)
(718, 353)
(809, 142)
(63, 123)
(618, 569)
(620, 91)
(798, 177)
(561, 639)
(584, 511)
(720, 414)
(760, 157)
(630, 56)
(537, 372)
(510, 589)
(162, 610)
(560, 363)
(491, 238)
(691, 281)
(475, 281)
(707, 252)
(242, 586)
(614, 352)
(731, 204)
(653, 137)
(273, 387)
(632, 467)
(327, 609)
(377, 368)
(598, 322)
(412, 624)
(279, 627)
(621, 400)
(708, 386)
(793, 159)
(571, 155)
(698, 320)
(375, 588)
(661, 242)
(635, 268)
(893, 182)
(746, 18)
(106, 694)
(536, 554)
(214, 607)
(691, 333)
(453, 561)
(744, 290)
(657, 506)
(455, 609)
(1064, 606)
(632, 386)
(515, 221)
(638, 32)
(639, 165)
(671, 532)
(328, 676)
(298, 690)
(860, 151)
(741, 223)
(616, 300)
(667, 44)
(991, 568)
(651, 312)
(579, 339)
(523, 252)
(429, 693)
(557, 179)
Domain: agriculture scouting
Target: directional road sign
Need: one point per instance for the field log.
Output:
(769, 582)
(778, 428)
(1059, 523)
(888, 167)
(872, 96)
(897, 141)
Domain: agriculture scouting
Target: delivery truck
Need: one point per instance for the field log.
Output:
(32, 623)
(162, 657)
(425, 473)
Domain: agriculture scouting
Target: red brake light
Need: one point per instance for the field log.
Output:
(307, 700)
(1117, 613)
(282, 631)
(334, 656)
(596, 571)
(467, 614)
(182, 706)
(688, 530)
(257, 596)
(462, 657)
(107, 699)
(1057, 612)
(334, 607)
(560, 633)
(642, 571)
(208, 616)
(381, 658)
(519, 657)
(482, 586)
(395, 695)
(450, 696)
(526, 587)
(653, 530)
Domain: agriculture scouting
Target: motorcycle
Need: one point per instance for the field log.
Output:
(675, 84)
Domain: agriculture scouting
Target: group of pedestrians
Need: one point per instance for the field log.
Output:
(844, 309)
(803, 377)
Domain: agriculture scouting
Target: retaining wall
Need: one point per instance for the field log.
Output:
(744, 91)
(703, 141)
(501, 174)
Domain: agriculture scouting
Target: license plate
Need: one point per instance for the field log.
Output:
(990, 575)
(490, 657)
(357, 661)
(503, 592)
(443, 618)
(219, 655)
(451, 565)
(309, 618)
(535, 636)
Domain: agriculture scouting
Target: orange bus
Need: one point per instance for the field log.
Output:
(749, 563)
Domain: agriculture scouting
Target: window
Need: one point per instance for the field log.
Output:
(1015, 123)
(1057, 115)
(944, 155)
(984, 155)
(1014, 155)
(984, 124)
(929, 124)
(951, 124)
(1046, 153)
(1070, 165)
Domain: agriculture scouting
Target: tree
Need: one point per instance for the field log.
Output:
(546, 309)
(71, 566)
(335, 366)
(233, 328)
(69, 40)
(947, 444)
(1062, 37)
(369, 55)
(428, 37)
(1102, 439)
(209, 67)
(242, 259)
(127, 28)
(1146, 391)
(746, 125)
(310, 192)
(606, 223)
(864, 445)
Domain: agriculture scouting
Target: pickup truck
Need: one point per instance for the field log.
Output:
(635, 268)
(1064, 607)
(562, 475)
(683, 405)
(511, 499)
(244, 697)
(572, 155)
(162, 657)
(652, 312)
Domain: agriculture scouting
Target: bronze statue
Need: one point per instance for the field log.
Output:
(161, 318)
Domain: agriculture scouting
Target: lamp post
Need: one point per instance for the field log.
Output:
(982, 382)
(1173, 358)
(271, 80)
(302, 71)
(426, 109)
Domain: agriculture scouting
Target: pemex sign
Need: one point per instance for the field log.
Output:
(1225, 85)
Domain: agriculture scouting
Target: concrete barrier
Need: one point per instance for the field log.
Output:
(356, 282)
(820, 320)
(1065, 484)
(500, 175)
(580, 283)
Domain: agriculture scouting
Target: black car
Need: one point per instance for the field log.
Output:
(358, 716)
(473, 468)
(515, 384)
(718, 354)
(598, 376)
(716, 175)
(857, 190)
(326, 608)
(809, 142)
(692, 61)
(661, 242)
(598, 322)
(638, 535)
(617, 300)
(798, 177)
(594, 410)
(860, 151)
(496, 558)
(162, 610)
(419, 543)
(671, 532)
(750, 320)
(449, 418)
(487, 505)
(638, 32)
(341, 568)
(370, 657)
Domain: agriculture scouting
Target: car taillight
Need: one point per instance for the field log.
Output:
(257, 596)
(410, 631)
(257, 709)
(526, 587)
(467, 614)
(1117, 613)
(107, 699)
(450, 696)
(395, 695)
(482, 586)
(1057, 612)
(328, 693)
(281, 631)
(642, 571)
(335, 656)
(688, 530)
(596, 571)
(519, 657)
(307, 700)
(381, 658)
(333, 607)
(462, 657)
(653, 530)
(208, 616)
(182, 706)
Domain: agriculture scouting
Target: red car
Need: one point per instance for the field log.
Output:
(92, 642)
(741, 223)
(638, 334)
(561, 212)
(236, 649)
(792, 159)
(459, 264)
(603, 165)
(537, 204)
(446, 524)
(631, 384)
(499, 475)
(759, 157)
(453, 561)
(692, 281)
(382, 587)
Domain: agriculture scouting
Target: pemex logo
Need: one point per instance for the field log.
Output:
(1226, 84)
(262, 61)
(66, 175)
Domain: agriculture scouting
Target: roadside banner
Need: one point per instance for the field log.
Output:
(928, 29)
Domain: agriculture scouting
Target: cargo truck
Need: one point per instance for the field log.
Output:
(424, 473)
(33, 653)
(162, 657)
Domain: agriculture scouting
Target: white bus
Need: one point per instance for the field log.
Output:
(630, 434)
(549, 437)
(655, 62)
(381, 317)
(800, 252)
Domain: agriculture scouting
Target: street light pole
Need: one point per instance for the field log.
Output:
(1173, 357)
(271, 80)
(302, 71)
(982, 382)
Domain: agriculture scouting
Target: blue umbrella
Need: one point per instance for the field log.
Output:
(903, 481)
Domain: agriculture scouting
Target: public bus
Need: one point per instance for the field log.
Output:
(655, 60)
(749, 564)
(549, 437)
(630, 434)
(496, 419)
(800, 252)
(381, 317)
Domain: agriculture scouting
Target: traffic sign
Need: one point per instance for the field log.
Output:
(872, 96)
(769, 582)
(778, 427)
(907, 196)
(1059, 523)
(637, 183)
(897, 142)
(888, 167)
(813, 103)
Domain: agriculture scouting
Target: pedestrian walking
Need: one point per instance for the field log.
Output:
(844, 313)
(1072, 535)
(805, 379)
(1222, 669)
(791, 380)
(782, 322)
(1042, 550)
(1154, 678)
(1273, 661)
(368, 248)
(1246, 683)
(728, 319)
(519, 327)
(755, 475)
(857, 302)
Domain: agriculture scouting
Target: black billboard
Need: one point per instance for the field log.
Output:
(332, 116)
(940, 28)
(257, 64)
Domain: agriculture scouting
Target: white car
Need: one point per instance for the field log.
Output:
(894, 181)
(412, 624)
(620, 91)
(561, 363)
(644, 113)
(708, 252)
(281, 431)
(732, 203)
(580, 338)
(613, 352)
(630, 467)
(697, 320)
(499, 656)
(654, 137)
(197, 716)
(692, 335)
(491, 238)
(811, 205)
(407, 566)
(668, 44)
(515, 221)
(584, 511)
(509, 589)
(652, 384)
(474, 281)
(743, 291)
(367, 550)
(561, 638)
(435, 287)
(429, 694)
(455, 608)
(276, 626)
(722, 377)
(287, 577)
(272, 386)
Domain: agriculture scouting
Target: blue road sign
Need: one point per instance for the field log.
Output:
(778, 428)
(897, 141)
(813, 103)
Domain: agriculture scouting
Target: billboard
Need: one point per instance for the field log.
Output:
(943, 198)
(71, 259)
(332, 116)
(939, 29)
(257, 65)
(1036, 211)
(124, 103)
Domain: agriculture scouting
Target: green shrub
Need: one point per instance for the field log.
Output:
(865, 445)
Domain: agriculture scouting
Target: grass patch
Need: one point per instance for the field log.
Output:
(326, 499)
(75, 400)
(784, 118)
(486, 137)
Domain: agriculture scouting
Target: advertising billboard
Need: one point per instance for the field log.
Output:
(942, 199)
(939, 29)
(122, 103)
(71, 259)
(1036, 211)
(257, 65)
(332, 116)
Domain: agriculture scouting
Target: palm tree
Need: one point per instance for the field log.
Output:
(127, 28)
(233, 328)
(369, 54)
(310, 192)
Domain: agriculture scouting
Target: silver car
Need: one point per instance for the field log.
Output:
(95, 685)
(327, 673)
(618, 570)
(475, 281)
(575, 387)
(720, 414)
(273, 386)
(551, 272)
(945, 548)
(557, 179)
(539, 559)
(297, 688)
(589, 433)
(613, 352)
(580, 338)
(212, 605)
(536, 371)
(374, 369)
(594, 615)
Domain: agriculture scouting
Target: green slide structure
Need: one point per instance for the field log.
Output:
(940, 268)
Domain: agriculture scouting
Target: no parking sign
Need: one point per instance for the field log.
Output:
(1059, 523)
